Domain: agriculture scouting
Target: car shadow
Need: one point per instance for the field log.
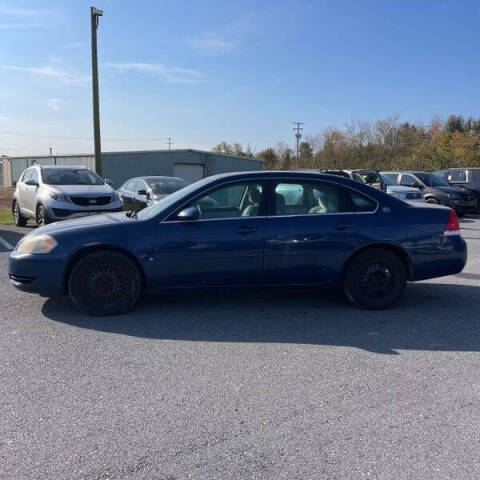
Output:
(430, 316)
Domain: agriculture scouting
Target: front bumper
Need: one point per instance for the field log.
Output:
(62, 211)
(36, 273)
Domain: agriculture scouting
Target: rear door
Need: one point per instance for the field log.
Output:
(309, 233)
(223, 247)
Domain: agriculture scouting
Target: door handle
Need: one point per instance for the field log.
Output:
(344, 226)
(244, 230)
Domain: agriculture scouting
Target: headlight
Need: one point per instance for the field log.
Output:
(454, 196)
(37, 244)
(399, 195)
(60, 197)
(115, 197)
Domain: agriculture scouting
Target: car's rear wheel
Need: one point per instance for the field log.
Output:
(20, 220)
(41, 216)
(105, 283)
(433, 201)
(375, 279)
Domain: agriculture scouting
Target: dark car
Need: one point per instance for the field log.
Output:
(437, 190)
(140, 192)
(245, 229)
(468, 178)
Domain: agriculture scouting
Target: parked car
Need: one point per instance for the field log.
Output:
(468, 178)
(140, 192)
(436, 190)
(375, 179)
(262, 228)
(50, 193)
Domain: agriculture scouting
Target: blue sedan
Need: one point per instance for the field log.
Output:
(245, 229)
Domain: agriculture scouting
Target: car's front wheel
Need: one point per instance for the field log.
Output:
(41, 216)
(375, 279)
(433, 201)
(20, 220)
(105, 283)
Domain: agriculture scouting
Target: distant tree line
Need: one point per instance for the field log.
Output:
(385, 144)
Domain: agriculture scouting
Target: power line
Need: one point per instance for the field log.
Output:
(64, 137)
(298, 135)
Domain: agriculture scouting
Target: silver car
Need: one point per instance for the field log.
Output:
(52, 193)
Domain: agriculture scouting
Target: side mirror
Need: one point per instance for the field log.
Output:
(142, 192)
(189, 214)
(108, 181)
(32, 183)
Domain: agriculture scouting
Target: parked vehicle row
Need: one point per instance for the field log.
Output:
(437, 190)
(254, 229)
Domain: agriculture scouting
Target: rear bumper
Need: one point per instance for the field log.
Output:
(36, 273)
(447, 257)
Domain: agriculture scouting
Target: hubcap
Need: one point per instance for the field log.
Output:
(105, 285)
(377, 280)
(41, 217)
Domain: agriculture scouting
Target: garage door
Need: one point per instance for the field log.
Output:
(189, 171)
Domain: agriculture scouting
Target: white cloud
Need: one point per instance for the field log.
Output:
(75, 45)
(169, 74)
(63, 76)
(211, 45)
(55, 103)
(19, 12)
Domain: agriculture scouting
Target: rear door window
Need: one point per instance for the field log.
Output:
(457, 176)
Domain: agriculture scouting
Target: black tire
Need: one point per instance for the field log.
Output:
(20, 220)
(433, 201)
(104, 283)
(375, 279)
(41, 216)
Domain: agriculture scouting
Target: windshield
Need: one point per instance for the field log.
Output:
(168, 201)
(432, 180)
(387, 180)
(64, 176)
(165, 187)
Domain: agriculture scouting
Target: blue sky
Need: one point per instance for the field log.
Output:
(241, 71)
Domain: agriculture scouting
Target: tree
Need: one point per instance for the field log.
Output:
(270, 158)
(455, 123)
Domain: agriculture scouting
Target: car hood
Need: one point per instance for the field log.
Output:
(83, 223)
(401, 189)
(87, 190)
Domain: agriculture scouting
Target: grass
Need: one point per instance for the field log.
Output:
(5, 216)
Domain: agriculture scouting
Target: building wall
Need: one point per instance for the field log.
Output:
(120, 166)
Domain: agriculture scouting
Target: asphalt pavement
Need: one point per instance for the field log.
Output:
(244, 385)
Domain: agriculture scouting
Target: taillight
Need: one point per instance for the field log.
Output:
(452, 227)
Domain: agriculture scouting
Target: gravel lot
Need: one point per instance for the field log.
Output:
(294, 385)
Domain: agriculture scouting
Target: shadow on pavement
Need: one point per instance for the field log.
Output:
(430, 317)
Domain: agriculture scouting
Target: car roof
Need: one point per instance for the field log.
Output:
(158, 177)
(61, 167)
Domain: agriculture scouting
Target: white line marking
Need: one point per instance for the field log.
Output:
(6, 244)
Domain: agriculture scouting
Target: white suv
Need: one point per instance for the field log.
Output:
(52, 193)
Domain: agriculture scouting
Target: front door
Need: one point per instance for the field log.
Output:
(310, 232)
(223, 247)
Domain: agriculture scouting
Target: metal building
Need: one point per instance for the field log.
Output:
(190, 165)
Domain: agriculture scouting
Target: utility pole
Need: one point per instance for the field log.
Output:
(298, 135)
(169, 143)
(50, 151)
(95, 13)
